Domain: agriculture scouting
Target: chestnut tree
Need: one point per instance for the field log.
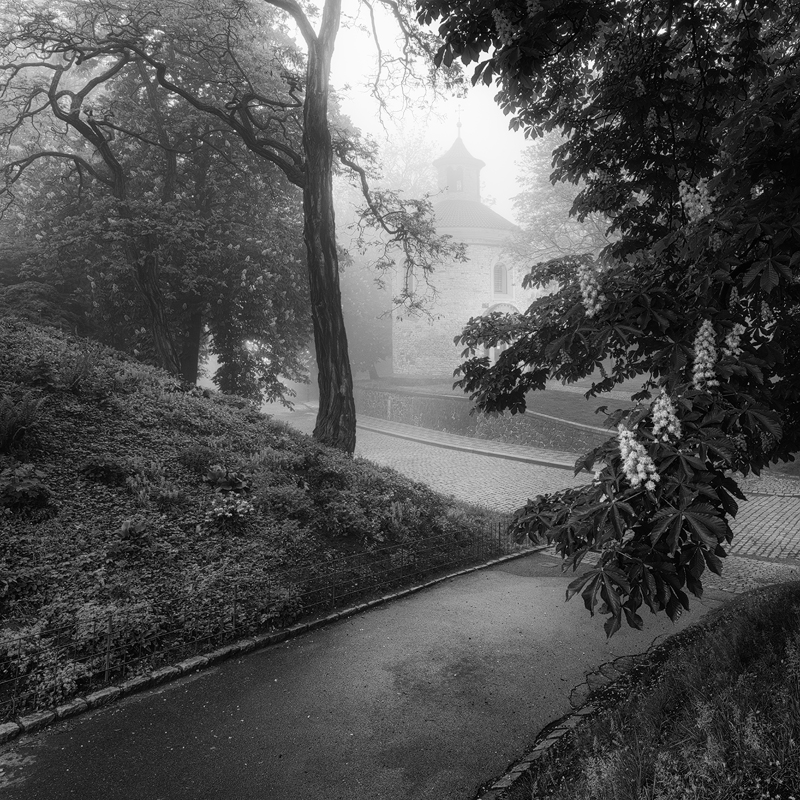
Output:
(682, 122)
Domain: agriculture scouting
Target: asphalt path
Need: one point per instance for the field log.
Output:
(425, 698)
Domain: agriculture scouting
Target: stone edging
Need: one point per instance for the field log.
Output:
(78, 705)
(481, 451)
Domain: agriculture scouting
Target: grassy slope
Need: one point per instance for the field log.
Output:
(130, 527)
(713, 714)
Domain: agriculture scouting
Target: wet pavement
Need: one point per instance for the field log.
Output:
(424, 698)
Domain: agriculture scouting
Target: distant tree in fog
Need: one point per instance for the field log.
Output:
(544, 210)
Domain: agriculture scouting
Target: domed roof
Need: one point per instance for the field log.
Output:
(458, 154)
(457, 212)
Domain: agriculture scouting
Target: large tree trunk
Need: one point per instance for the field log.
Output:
(143, 259)
(336, 419)
(190, 351)
(146, 271)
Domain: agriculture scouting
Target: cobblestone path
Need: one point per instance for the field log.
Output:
(766, 545)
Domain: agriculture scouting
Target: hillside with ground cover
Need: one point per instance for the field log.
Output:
(127, 496)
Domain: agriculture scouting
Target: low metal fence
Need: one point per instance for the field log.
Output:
(44, 666)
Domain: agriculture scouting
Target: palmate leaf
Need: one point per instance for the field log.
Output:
(713, 561)
(632, 618)
(588, 585)
(694, 566)
(766, 420)
(705, 522)
(730, 485)
(729, 505)
(611, 584)
(661, 521)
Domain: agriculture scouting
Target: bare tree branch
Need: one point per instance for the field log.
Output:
(302, 21)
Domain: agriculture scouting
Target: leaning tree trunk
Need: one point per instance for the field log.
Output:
(336, 419)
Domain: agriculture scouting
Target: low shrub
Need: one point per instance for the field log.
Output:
(133, 536)
(228, 513)
(77, 368)
(198, 458)
(224, 480)
(18, 418)
(167, 495)
(22, 488)
(47, 677)
(286, 502)
(74, 369)
(146, 478)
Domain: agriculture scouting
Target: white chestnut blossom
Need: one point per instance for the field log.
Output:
(696, 202)
(733, 300)
(705, 357)
(591, 295)
(732, 346)
(636, 463)
(665, 420)
(533, 6)
(766, 313)
(505, 30)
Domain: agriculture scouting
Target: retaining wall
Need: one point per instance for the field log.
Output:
(453, 413)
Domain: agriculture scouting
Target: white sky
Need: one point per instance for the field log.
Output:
(484, 128)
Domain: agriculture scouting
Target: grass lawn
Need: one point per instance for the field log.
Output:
(565, 404)
(713, 714)
(570, 405)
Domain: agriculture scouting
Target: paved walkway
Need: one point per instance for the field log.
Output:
(766, 545)
(424, 698)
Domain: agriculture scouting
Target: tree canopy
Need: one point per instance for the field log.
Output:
(159, 222)
(265, 90)
(682, 121)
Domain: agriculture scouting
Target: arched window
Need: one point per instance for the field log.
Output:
(455, 179)
(500, 278)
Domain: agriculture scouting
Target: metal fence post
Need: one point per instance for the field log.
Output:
(108, 650)
(233, 616)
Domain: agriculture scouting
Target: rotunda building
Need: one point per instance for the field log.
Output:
(487, 281)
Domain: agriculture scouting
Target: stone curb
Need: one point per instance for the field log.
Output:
(542, 462)
(38, 720)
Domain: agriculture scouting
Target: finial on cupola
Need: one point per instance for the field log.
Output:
(458, 124)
